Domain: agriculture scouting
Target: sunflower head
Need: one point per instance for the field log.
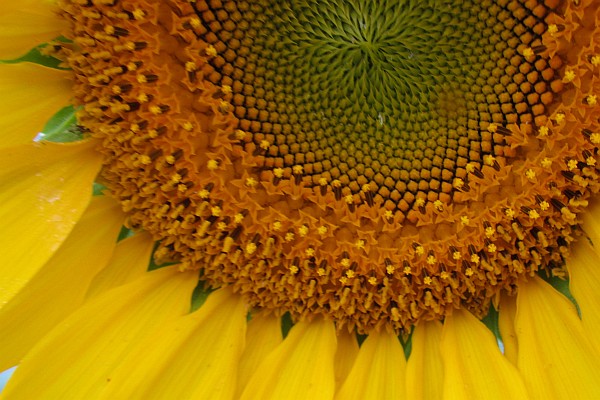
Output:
(379, 164)
(389, 169)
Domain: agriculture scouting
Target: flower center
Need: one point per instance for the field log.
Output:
(376, 162)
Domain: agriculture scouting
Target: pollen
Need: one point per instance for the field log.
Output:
(291, 157)
(264, 144)
(533, 214)
(238, 218)
(212, 165)
(546, 162)
(569, 76)
(303, 231)
(572, 164)
(211, 51)
(591, 100)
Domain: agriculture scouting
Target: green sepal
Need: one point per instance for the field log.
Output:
(98, 189)
(35, 56)
(199, 295)
(286, 324)
(62, 127)
(561, 285)
(491, 321)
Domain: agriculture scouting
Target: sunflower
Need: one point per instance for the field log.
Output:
(306, 199)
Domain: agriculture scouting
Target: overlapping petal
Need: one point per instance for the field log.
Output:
(31, 94)
(191, 357)
(86, 347)
(129, 262)
(345, 355)
(44, 189)
(555, 357)
(506, 323)
(584, 273)
(59, 287)
(300, 367)
(474, 367)
(379, 371)
(262, 337)
(424, 371)
(25, 24)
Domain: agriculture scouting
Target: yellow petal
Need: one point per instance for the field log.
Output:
(301, 367)
(591, 223)
(26, 23)
(31, 94)
(347, 350)
(424, 371)
(555, 357)
(506, 323)
(129, 262)
(474, 367)
(584, 272)
(59, 287)
(44, 189)
(191, 357)
(263, 336)
(75, 359)
(379, 371)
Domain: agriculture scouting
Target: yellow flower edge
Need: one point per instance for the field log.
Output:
(115, 341)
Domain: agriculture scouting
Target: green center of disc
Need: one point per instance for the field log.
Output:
(393, 94)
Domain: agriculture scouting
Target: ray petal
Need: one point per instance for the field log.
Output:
(506, 322)
(555, 358)
(129, 262)
(31, 94)
(59, 287)
(347, 350)
(25, 24)
(584, 273)
(191, 357)
(262, 337)
(379, 371)
(474, 367)
(44, 189)
(86, 347)
(291, 370)
(424, 372)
